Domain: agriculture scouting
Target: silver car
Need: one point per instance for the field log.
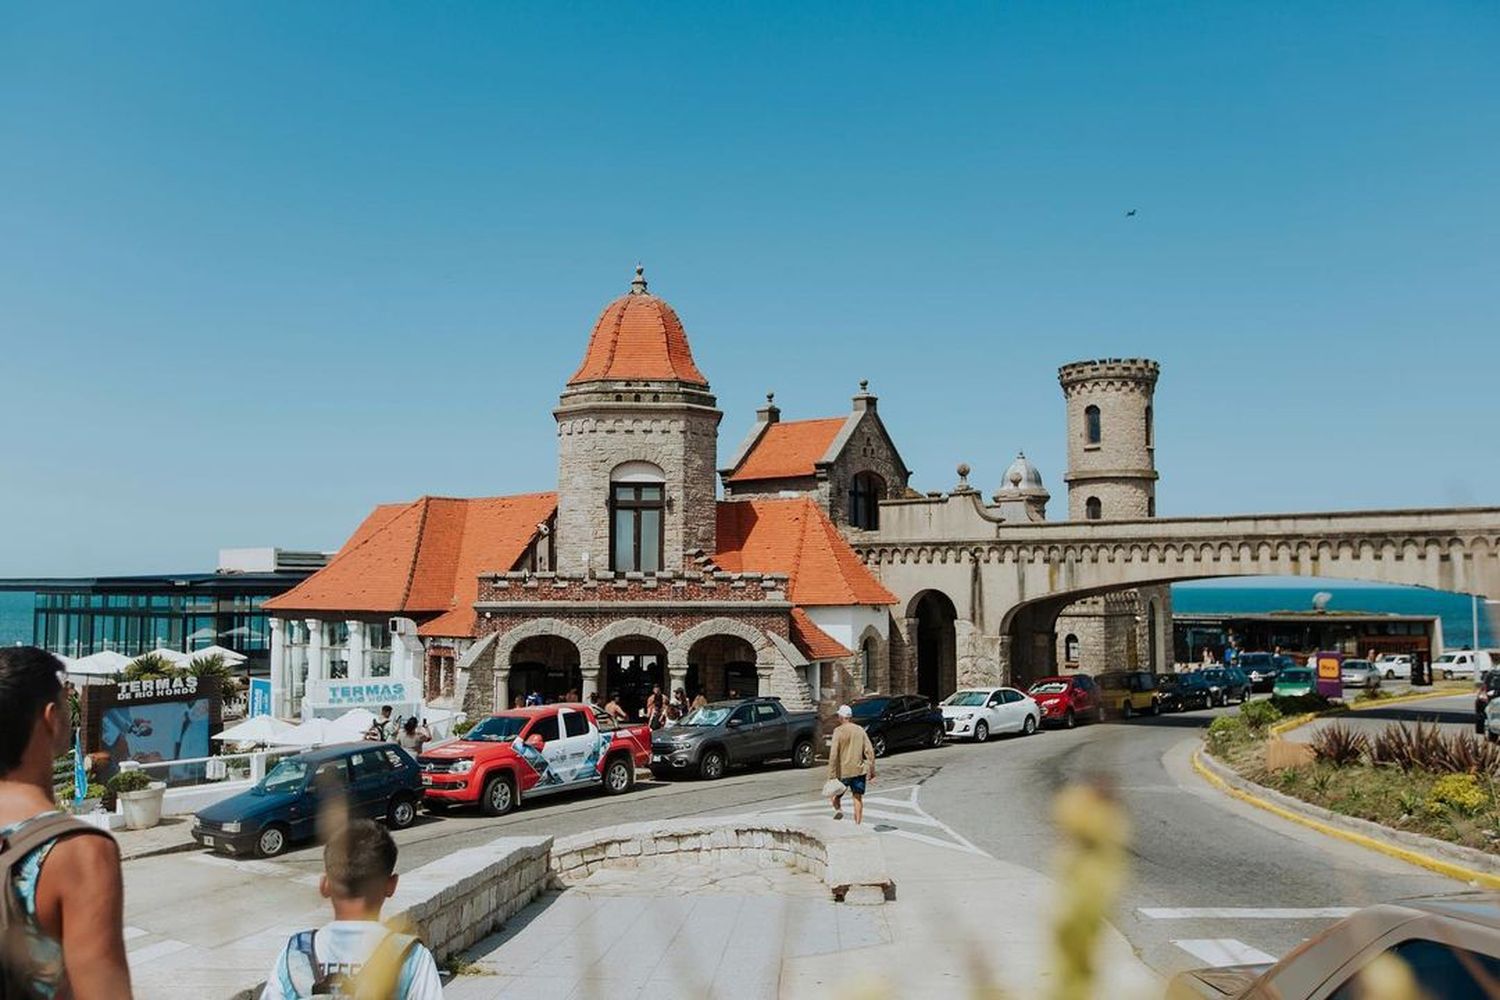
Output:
(1360, 673)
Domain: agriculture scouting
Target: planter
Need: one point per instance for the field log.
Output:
(143, 809)
(86, 806)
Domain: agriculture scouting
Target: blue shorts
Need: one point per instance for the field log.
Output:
(855, 785)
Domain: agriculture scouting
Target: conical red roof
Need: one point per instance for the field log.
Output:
(638, 336)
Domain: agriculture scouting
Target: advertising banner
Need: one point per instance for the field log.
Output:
(260, 696)
(152, 722)
(332, 698)
(1328, 674)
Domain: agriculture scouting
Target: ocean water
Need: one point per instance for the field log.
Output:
(15, 617)
(1455, 610)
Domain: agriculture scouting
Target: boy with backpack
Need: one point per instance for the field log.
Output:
(355, 956)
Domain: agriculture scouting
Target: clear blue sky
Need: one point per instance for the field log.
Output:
(265, 265)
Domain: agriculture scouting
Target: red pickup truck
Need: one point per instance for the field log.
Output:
(515, 755)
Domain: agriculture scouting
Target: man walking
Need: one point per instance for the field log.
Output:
(851, 759)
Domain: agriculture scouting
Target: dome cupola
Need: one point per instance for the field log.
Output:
(638, 338)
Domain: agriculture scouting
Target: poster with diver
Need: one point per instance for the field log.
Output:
(173, 730)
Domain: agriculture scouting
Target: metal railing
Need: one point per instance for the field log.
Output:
(210, 769)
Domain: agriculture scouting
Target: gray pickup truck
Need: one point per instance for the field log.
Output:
(743, 731)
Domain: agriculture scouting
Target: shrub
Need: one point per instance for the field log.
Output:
(1227, 732)
(1459, 792)
(1339, 745)
(1372, 694)
(462, 726)
(209, 666)
(1467, 754)
(1408, 748)
(130, 781)
(150, 667)
(1258, 715)
(1299, 704)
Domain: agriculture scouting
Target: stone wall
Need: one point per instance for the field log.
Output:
(1121, 468)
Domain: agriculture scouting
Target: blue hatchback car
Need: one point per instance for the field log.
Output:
(376, 780)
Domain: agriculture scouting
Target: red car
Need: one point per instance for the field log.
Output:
(1067, 701)
(513, 756)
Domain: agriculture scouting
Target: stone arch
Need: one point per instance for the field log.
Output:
(935, 638)
(506, 642)
(872, 642)
(721, 626)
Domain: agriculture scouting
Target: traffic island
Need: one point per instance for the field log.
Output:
(848, 860)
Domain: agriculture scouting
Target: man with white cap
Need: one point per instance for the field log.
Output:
(851, 760)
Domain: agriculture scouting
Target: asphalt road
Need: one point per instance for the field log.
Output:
(1193, 849)
(1454, 715)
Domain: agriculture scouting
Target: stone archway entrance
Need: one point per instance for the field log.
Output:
(937, 645)
(545, 665)
(722, 666)
(631, 666)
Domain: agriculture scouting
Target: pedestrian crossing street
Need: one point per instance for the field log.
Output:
(892, 812)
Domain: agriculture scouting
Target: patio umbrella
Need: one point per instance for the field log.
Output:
(106, 663)
(260, 729)
(172, 656)
(230, 656)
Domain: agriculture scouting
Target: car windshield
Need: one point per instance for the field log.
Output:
(1297, 675)
(1356, 664)
(1447, 658)
(1168, 680)
(870, 709)
(1254, 661)
(288, 775)
(498, 728)
(965, 699)
(1049, 687)
(708, 715)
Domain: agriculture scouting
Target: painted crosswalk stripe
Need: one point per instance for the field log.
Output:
(1219, 952)
(1246, 912)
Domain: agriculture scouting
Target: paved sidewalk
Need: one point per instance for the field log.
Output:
(173, 833)
(668, 932)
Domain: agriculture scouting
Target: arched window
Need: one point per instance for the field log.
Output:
(1093, 509)
(867, 664)
(1070, 648)
(1150, 428)
(866, 491)
(1092, 429)
(1151, 506)
(637, 505)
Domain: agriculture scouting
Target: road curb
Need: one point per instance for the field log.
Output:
(1298, 721)
(1462, 863)
(1402, 699)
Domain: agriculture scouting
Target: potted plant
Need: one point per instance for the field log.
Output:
(65, 801)
(140, 796)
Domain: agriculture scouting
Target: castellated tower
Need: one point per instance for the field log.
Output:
(1111, 442)
(637, 438)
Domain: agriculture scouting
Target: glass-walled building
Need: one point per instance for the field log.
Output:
(78, 616)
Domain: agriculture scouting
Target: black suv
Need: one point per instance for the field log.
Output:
(899, 720)
(1227, 684)
(1183, 692)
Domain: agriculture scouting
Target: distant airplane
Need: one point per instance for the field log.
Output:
(1130, 213)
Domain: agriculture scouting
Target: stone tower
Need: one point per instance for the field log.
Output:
(637, 435)
(1111, 442)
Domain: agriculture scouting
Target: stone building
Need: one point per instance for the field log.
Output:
(1112, 476)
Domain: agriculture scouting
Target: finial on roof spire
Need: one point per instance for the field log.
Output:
(770, 399)
(638, 286)
(864, 385)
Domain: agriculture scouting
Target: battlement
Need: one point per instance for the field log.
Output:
(713, 585)
(1135, 369)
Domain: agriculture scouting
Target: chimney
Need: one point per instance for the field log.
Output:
(770, 413)
(863, 401)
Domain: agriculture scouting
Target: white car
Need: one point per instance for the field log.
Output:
(1464, 663)
(975, 713)
(1394, 665)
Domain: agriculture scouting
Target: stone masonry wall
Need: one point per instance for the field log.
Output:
(867, 450)
(1120, 469)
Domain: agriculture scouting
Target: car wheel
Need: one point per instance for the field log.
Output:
(935, 738)
(1390, 675)
(1155, 708)
(1447, 675)
(272, 841)
(877, 742)
(1029, 726)
(1069, 719)
(802, 754)
(1127, 710)
(981, 732)
(619, 775)
(498, 797)
(712, 766)
(401, 813)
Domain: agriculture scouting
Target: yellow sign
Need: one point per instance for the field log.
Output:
(1329, 669)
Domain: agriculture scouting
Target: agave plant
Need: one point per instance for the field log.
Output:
(1339, 745)
(1466, 754)
(1407, 747)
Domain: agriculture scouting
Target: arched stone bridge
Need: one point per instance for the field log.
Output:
(1007, 582)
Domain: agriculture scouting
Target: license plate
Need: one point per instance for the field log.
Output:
(657, 758)
(426, 779)
(210, 842)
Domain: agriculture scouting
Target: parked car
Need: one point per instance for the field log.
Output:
(899, 720)
(1487, 691)
(1449, 943)
(1183, 692)
(375, 780)
(1360, 674)
(1394, 666)
(530, 752)
(975, 713)
(1128, 693)
(1463, 663)
(742, 731)
(1066, 700)
(1294, 681)
(1227, 684)
(1260, 669)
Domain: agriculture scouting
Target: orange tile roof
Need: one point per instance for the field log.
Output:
(814, 643)
(423, 558)
(788, 449)
(638, 336)
(795, 537)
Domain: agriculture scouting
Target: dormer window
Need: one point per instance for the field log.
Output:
(637, 507)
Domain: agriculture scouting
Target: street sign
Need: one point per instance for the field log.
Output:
(260, 696)
(1328, 674)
